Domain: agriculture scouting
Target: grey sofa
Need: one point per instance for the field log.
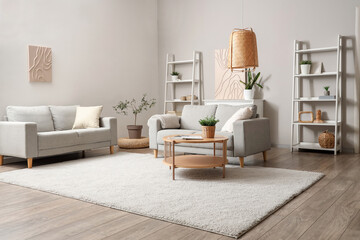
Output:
(250, 136)
(30, 132)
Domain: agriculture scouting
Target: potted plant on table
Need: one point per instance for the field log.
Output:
(305, 67)
(250, 84)
(208, 127)
(144, 105)
(174, 76)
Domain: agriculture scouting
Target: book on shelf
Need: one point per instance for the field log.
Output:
(327, 97)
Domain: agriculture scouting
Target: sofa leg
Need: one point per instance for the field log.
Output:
(1, 159)
(241, 161)
(29, 162)
(156, 153)
(83, 154)
(111, 149)
(264, 155)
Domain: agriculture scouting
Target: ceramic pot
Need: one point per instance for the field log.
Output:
(174, 77)
(134, 131)
(305, 68)
(249, 94)
(326, 93)
(208, 131)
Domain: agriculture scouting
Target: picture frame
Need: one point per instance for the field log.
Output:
(306, 117)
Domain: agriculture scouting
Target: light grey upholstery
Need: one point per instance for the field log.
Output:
(22, 139)
(225, 111)
(250, 136)
(63, 117)
(18, 139)
(191, 115)
(40, 115)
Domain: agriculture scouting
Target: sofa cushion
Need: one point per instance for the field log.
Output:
(87, 117)
(63, 117)
(163, 133)
(193, 113)
(41, 115)
(93, 135)
(225, 111)
(57, 139)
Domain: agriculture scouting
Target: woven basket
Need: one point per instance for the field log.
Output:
(208, 131)
(242, 49)
(327, 140)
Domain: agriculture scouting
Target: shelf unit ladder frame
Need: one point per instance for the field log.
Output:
(170, 67)
(295, 105)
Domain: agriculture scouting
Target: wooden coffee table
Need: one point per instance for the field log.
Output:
(194, 161)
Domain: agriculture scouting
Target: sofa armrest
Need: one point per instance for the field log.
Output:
(154, 126)
(251, 136)
(18, 139)
(110, 122)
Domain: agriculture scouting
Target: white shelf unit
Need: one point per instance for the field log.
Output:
(297, 100)
(194, 82)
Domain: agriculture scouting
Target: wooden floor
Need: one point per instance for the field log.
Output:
(328, 210)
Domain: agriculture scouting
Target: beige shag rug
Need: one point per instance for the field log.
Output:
(198, 198)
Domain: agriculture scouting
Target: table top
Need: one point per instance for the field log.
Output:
(216, 139)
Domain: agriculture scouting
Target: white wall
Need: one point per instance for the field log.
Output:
(206, 25)
(103, 51)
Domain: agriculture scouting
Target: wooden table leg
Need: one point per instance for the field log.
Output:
(214, 150)
(224, 156)
(173, 161)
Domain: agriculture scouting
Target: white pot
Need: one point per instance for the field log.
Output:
(249, 94)
(305, 68)
(174, 77)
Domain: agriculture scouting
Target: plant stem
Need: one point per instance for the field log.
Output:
(135, 118)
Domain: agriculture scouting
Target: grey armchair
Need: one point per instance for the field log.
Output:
(249, 137)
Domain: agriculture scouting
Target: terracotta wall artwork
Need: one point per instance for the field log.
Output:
(40, 64)
(227, 84)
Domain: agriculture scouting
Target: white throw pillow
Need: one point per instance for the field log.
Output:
(241, 114)
(87, 117)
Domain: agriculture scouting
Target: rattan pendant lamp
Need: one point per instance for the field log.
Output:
(243, 50)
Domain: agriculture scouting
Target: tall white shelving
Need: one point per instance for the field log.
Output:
(194, 82)
(335, 124)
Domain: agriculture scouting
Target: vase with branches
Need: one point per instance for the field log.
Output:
(135, 107)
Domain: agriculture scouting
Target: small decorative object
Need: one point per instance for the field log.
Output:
(144, 105)
(249, 85)
(40, 64)
(326, 92)
(183, 98)
(188, 97)
(327, 139)
(305, 67)
(318, 117)
(208, 126)
(306, 117)
(316, 67)
(174, 76)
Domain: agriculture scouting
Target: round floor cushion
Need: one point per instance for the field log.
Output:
(143, 142)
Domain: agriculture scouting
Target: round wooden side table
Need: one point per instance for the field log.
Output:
(194, 161)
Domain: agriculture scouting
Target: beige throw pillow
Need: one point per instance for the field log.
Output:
(87, 117)
(241, 114)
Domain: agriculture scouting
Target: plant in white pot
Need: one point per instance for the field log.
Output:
(305, 67)
(175, 76)
(144, 105)
(250, 85)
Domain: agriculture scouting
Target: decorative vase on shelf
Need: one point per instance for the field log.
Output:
(249, 94)
(174, 77)
(327, 93)
(305, 67)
